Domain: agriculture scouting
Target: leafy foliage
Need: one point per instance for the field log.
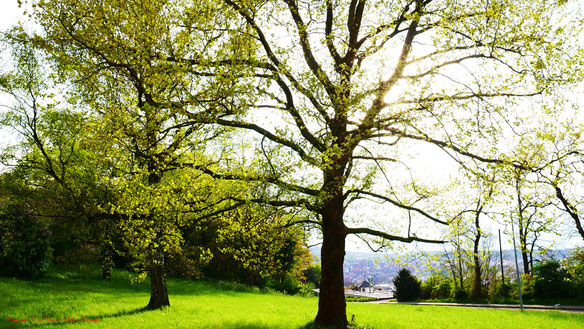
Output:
(436, 287)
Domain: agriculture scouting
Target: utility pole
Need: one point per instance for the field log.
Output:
(501, 259)
(516, 264)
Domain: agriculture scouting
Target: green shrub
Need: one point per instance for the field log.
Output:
(527, 282)
(407, 287)
(503, 290)
(25, 242)
(436, 287)
(574, 265)
(312, 274)
(460, 294)
(550, 280)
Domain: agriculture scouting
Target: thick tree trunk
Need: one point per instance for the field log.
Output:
(331, 302)
(158, 288)
(477, 289)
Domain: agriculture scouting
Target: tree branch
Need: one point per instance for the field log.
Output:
(397, 204)
(365, 230)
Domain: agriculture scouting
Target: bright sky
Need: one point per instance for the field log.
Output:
(9, 15)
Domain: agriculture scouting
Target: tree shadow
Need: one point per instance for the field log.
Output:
(10, 322)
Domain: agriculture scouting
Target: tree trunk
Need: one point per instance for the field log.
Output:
(477, 291)
(460, 271)
(158, 288)
(107, 261)
(107, 252)
(525, 257)
(331, 302)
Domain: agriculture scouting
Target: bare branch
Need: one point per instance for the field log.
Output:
(397, 204)
(365, 230)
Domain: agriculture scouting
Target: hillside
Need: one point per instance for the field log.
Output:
(79, 299)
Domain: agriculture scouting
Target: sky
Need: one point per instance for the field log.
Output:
(9, 15)
(436, 161)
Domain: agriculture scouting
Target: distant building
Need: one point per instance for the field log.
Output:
(365, 286)
(386, 287)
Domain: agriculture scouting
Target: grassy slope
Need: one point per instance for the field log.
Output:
(203, 304)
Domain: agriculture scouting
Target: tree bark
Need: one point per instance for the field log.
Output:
(158, 288)
(525, 257)
(477, 291)
(331, 303)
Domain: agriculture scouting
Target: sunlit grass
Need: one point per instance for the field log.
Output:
(86, 301)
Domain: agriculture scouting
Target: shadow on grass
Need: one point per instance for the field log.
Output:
(59, 281)
(50, 322)
(10, 322)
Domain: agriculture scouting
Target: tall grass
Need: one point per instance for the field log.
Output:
(80, 299)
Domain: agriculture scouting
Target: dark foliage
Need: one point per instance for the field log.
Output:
(25, 242)
(407, 287)
(460, 294)
(503, 291)
(550, 280)
(312, 274)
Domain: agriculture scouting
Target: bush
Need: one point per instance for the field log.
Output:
(527, 287)
(574, 265)
(503, 290)
(436, 287)
(550, 280)
(407, 287)
(460, 294)
(306, 289)
(24, 240)
(312, 274)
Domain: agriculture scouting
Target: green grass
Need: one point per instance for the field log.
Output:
(359, 299)
(81, 295)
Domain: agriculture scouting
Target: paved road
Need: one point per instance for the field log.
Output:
(564, 308)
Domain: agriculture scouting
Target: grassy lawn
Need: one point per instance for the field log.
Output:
(78, 299)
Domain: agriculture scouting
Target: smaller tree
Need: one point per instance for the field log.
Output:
(407, 287)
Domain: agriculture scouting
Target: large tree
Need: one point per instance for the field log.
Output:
(347, 88)
(127, 63)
